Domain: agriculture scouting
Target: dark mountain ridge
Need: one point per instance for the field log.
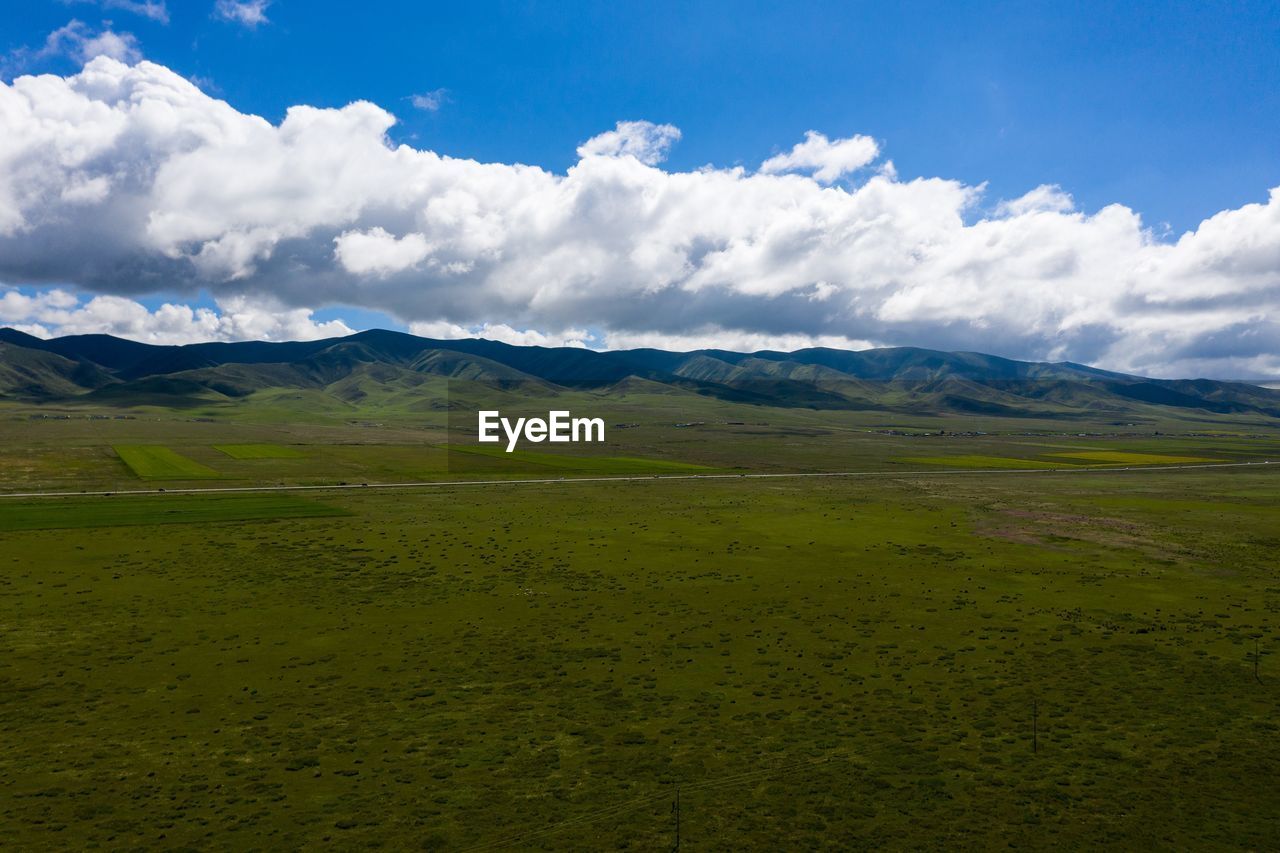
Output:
(109, 369)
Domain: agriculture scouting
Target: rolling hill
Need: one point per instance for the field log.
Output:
(381, 364)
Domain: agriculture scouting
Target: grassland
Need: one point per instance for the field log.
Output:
(101, 511)
(70, 448)
(466, 458)
(259, 451)
(455, 668)
(1119, 457)
(980, 462)
(824, 663)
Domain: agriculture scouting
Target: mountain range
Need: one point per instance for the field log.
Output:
(113, 371)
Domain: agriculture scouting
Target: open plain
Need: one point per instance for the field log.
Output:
(992, 633)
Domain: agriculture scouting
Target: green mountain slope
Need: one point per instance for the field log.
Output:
(32, 374)
(396, 372)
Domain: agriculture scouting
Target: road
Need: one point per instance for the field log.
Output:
(443, 484)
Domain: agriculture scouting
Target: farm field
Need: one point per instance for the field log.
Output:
(151, 462)
(1119, 457)
(77, 450)
(259, 451)
(811, 661)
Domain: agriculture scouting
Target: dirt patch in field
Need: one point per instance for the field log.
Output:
(1069, 519)
(1060, 530)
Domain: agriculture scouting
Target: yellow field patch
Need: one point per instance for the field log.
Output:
(1120, 457)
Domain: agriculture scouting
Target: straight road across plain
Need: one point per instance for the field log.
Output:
(448, 484)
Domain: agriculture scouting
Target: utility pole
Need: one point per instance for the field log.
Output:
(1035, 720)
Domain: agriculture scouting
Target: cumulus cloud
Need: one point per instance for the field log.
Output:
(827, 160)
(249, 13)
(59, 312)
(443, 330)
(1046, 198)
(715, 337)
(377, 252)
(643, 140)
(127, 180)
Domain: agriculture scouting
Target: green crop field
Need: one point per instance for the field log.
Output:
(259, 451)
(152, 462)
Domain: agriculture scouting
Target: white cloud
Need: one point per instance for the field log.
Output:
(446, 331)
(57, 312)
(1046, 198)
(156, 10)
(121, 46)
(378, 252)
(430, 101)
(250, 13)
(80, 42)
(129, 180)
(714, 337)
(643, 140)
(828, 160)
(153, 9)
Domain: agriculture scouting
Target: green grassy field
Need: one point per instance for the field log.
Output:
(838, 663)
(465, 459)
(72, 448)
(1119, 457)
(151, 462)
(971, 461)
(259, 451)
(817, 663)
(135, 510)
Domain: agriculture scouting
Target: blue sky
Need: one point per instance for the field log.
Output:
(1172, 108)
(1089, 181)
